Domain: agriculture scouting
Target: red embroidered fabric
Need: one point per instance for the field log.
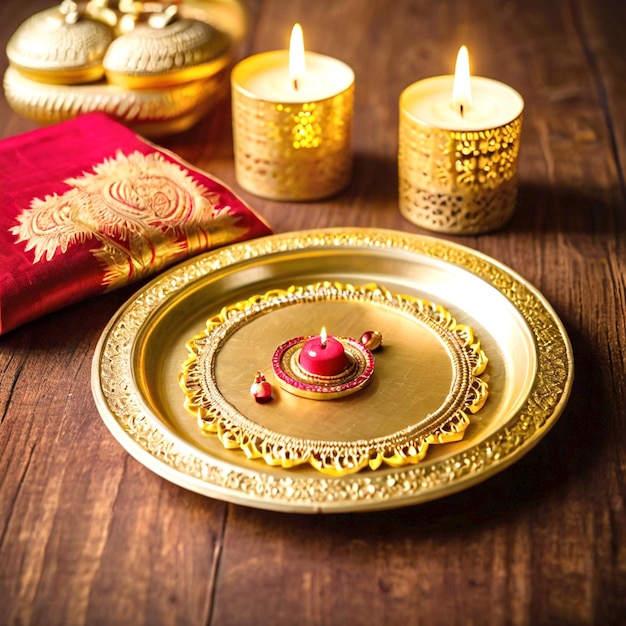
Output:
(87, 206)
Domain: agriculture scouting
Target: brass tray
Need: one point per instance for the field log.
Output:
(141, 351)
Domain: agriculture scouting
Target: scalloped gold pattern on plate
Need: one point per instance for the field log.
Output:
(216, 415)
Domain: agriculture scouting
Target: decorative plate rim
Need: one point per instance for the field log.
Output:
(134, 425)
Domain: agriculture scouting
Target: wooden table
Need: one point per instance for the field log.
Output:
(89, 535)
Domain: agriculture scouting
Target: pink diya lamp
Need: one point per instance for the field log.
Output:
(324, 367)
(322, 355)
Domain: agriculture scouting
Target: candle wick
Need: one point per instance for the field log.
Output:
(461, 109)
(323, 342)
(295, 84)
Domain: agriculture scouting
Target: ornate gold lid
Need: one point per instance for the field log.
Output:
(170, 69)
(60, 46)
(165, 50)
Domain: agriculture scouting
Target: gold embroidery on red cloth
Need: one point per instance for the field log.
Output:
(143, 210)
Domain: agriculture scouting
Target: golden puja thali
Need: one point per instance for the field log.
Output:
(440, 368)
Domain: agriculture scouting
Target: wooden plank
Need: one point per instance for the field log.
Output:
(88, 533)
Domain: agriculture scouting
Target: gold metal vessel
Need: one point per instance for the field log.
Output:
(164, 52)
(60, 46)
(165, 66)
(141, 352)
(458, 181)
(291, 150)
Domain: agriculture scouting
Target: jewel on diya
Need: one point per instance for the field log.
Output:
(323, 367)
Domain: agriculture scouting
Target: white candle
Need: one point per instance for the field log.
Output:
(267, 77)
(494, 104)
(292, 118)
(462, 102)
(458, 148)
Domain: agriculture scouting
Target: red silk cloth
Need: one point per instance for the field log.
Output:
(87, 206)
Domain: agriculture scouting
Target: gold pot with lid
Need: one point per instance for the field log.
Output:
(60, 46)
(154, 67)
(165, 49)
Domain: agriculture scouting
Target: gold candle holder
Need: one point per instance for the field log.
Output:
(292, 143)
(458, 171)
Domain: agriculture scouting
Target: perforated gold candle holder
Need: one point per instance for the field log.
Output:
(457, 181)
(286, 150)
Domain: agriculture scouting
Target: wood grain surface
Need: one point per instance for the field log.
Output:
(90, 536)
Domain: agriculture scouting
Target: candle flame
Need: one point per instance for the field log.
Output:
(323, 337)
(461, 87)
(297, 64)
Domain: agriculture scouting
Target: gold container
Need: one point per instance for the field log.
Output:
(60, 46)
(178, 59)
(164, 51)
(292, 144)
(150, 112)
(458, 180)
